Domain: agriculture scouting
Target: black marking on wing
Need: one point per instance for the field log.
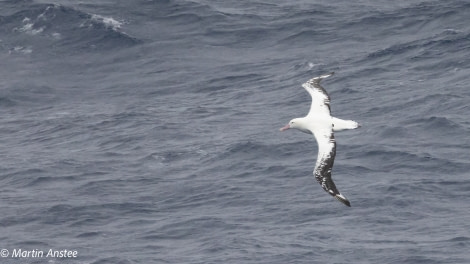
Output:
(343, 200)
(322, 172)
(314, 83)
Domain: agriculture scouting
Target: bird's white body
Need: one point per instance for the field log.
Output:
(338, 124)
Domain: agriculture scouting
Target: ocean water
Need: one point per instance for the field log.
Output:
(148, 131)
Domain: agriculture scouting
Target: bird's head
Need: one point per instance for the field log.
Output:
(297, 123)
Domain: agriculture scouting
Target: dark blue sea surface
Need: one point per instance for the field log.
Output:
(148, 131)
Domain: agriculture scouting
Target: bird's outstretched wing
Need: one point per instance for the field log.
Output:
(320, 98)
(325, 159)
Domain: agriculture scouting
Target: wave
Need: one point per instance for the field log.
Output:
(250, 150)
(434, 45)
(420, 103)
(400, 160)
(27, 94)
(49, 27)
(6, 102)
(439, 127)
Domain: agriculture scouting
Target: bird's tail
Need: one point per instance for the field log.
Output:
(341, 124)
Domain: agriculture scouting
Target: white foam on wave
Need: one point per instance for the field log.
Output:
(56, 35)
(20, 49)
(107, 21)
(28, 27)
(42, 16)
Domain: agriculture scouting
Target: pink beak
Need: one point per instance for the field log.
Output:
(284, 128)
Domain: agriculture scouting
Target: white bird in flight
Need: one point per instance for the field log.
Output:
(322, 125)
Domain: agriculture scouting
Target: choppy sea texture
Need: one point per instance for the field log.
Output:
(147, 131)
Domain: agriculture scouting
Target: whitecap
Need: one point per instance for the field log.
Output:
(56, 35)
(20, 49)
(42, 16)
(107, 21)
(28, 27)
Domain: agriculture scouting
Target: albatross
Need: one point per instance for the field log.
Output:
(322, 125)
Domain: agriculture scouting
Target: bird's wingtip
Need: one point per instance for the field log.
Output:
(324, 76)
(343, 199)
